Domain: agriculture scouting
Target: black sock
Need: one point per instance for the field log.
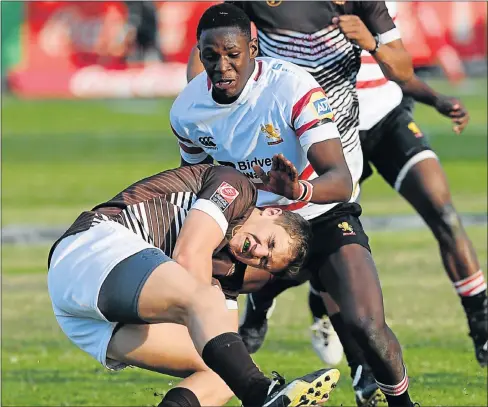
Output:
(179, 397)
(227, 356)
(475, 303)
(353, 352)
(403, 400)
(316, 305)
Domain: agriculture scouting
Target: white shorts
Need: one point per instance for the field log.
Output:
(79, 266)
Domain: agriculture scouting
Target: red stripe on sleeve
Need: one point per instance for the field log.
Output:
(300, 105)
(371, 84)
(305, 127)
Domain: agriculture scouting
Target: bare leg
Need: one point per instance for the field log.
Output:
(167, 348)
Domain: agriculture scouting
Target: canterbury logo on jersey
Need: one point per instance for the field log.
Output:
(207, 142)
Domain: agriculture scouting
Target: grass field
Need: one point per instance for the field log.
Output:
(51, 148)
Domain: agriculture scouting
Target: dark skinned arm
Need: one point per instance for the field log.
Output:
(445, 105)
(334, 183)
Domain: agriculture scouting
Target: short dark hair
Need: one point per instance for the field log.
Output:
(300, 232)
(224, 15)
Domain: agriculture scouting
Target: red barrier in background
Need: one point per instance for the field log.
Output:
(77, 49)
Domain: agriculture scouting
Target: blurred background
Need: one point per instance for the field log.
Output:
(86, 93)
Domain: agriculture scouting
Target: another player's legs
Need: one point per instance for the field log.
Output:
(425, 187)
(405, 160)
(352, 280)
(366, 390)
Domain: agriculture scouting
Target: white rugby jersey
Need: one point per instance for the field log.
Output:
(377, 95)
(282, 109)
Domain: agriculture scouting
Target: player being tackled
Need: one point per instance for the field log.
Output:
(133, 283)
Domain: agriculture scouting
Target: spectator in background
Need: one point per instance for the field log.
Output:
(142, 32)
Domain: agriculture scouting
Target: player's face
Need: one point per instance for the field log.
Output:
(228, 58)
(262, 243)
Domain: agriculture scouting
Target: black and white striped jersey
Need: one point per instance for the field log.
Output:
(155, 208)
(303, 33)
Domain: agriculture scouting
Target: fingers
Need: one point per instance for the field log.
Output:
(283, 165)
(261, 174)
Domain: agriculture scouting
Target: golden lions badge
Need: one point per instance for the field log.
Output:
(272, 134)
(272, 3)
(415, 130)
(346, 228)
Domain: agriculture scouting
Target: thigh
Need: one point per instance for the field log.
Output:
(426, 188)
(165, 348)
(168, 349)
(401, 146)
(352, 280)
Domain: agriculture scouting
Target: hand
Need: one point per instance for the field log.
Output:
(355, 30)
(453, 108)
(282, 179)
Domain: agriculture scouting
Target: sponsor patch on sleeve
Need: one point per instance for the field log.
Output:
(320, 106)
(224, 196)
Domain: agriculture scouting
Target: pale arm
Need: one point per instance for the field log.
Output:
(198, 238)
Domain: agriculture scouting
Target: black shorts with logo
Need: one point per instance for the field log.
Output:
(391, 143)
(336, 228)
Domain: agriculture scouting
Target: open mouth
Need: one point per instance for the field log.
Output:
(224, 84)
(246, 245)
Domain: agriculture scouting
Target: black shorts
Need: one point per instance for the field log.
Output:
(391, 145)
(119, 295)
(336, 228)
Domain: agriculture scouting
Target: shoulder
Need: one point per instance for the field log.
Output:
(286, 77)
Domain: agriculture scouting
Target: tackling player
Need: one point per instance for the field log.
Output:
(243, 111)
(130, 284)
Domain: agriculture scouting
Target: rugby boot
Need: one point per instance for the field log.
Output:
(309, 390)
(325, 342)
(255, 323)
(366, 390)
(478, 330)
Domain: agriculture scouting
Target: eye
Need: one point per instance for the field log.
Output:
(210, 57)
(235, 54)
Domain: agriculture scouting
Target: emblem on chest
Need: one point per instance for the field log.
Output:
(272, 134)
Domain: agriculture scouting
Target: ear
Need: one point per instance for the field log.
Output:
(272, 212)
(253, 48)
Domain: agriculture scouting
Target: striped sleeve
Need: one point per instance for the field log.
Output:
(311, 115)
(190, 152)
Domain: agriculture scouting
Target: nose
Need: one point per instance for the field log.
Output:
(222, 65)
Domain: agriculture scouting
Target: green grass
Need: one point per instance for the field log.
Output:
(50, 148)
(41, 367)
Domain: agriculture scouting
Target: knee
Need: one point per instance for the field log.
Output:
(207, 299)
(367, 327)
